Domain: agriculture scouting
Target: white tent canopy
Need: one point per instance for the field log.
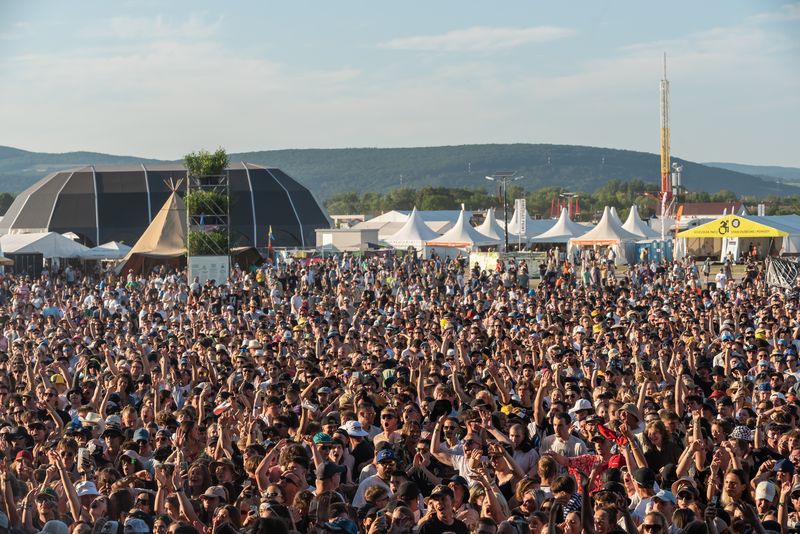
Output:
(490, 227)
(607, 232)
(48, 244)
(414, 233)
(533, 226)
(562, 231)
(112, 250)
(462, 234)
(615, 216)
(635, 225)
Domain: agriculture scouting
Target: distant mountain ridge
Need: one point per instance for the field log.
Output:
(328, 171)
(771, 172)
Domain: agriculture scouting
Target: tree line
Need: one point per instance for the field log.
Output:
(618, 193)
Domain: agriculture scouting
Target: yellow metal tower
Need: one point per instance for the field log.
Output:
(666, 180)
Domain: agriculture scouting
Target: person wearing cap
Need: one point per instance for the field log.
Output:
(440, 517)
(328, 477)
(644, 483)
(765, 495)
(361, 448)
(44, 507)
(664, 502)
(385, 462)
(686, 494)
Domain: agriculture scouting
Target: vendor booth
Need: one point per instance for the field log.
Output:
(461, 236)
(413, 234)
(562, 231)
(734, 234)
(608, 234)
(491, 228)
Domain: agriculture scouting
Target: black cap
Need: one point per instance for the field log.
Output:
(408, 491)
(461, 481)
(326, 470)
(613, 487)
(644, 476)
(441, 491)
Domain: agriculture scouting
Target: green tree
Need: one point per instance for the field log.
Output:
(204, 163)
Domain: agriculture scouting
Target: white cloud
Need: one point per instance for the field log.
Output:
(172, 93)
(787, 12)
(196, 26)
(479, 39)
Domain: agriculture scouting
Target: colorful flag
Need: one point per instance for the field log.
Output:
(270, 237)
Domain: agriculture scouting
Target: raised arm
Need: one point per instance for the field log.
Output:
(436, 442)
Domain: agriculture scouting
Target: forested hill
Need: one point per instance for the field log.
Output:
(328, 171)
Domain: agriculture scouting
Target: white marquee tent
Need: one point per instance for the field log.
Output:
(562, 231)
(533, 226)
(48, 244)
(615, 216)
(414, 233)
(609, 232)
(635, 225)
(490, 227)
(112, 250)
(462, 235)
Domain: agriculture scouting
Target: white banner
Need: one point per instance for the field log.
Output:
(214, 268)
(521, 207)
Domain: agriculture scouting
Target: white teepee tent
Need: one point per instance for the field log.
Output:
(635, 225)
(562, 231)
(607, 232)
(615, 216)
(490, 227)
(462, 235)
(533, 226)
(414, 233)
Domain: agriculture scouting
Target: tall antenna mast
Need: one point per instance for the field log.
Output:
(665, 159)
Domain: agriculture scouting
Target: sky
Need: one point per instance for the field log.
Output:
(160, 79)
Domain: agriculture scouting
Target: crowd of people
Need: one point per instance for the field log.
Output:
(391, 395)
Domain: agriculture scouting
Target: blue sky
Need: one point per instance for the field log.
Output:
(159, 79)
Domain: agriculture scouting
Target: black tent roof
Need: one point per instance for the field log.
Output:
(113, 203)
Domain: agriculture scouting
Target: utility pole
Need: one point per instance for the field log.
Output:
(504, 177)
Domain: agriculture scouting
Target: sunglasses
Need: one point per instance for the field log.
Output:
(388, 416)
(651, 528)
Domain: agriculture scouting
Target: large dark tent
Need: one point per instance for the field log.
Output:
(104, 203)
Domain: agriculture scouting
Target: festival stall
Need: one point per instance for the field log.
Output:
(413, 234)
(461, 236)
(734, 234)
(608, 233)
(562, 231)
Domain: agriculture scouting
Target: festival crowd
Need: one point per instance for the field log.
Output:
(391, 395)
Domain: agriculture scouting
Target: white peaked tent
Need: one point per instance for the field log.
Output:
(615, 216)
(562, 231)
(513, 223)
(48, 244)
(609, 232)
(534, 226)
(113, 250)
(462, 235)
(490, 227)
(635, 225)
(414, 233)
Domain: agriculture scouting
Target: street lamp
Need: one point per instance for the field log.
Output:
(505, 176)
